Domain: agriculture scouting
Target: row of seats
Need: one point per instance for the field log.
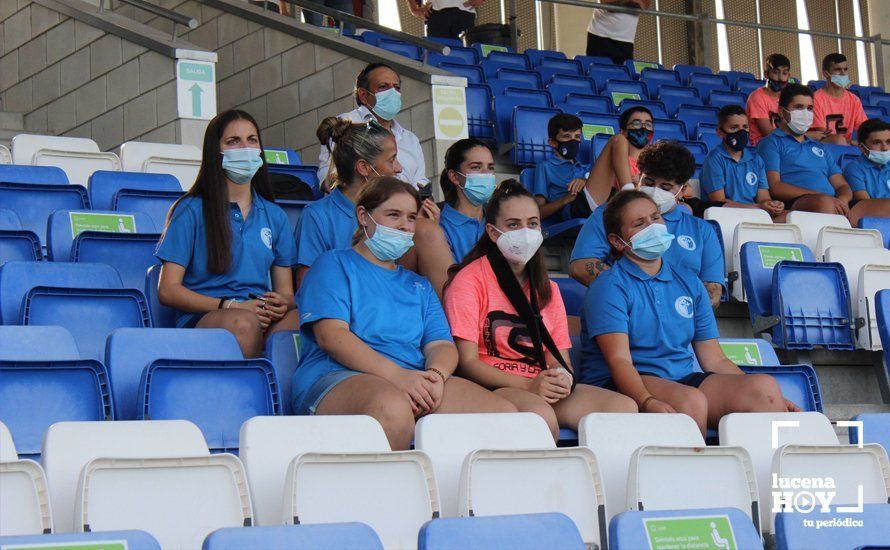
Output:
(292, 470)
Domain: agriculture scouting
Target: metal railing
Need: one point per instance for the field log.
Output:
(170, 15)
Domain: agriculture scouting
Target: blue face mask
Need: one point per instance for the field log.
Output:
(651, 243)
(775, 85)
(879, 157)
(841, 80)
(388, 244)
(241, 164)
(478, 187)
(389, 103)
(639, 138)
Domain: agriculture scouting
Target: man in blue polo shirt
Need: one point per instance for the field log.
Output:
(800, 171)
(732, 173)
(869, 174)
(665, 167)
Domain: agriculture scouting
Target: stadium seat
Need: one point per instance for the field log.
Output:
(756, 262)
(811, 223)
(876, 111)
(872, 279)
(597, 124)
(473, 73)
(459, 54)
(293, 209)
(295, 537)
(401, 48)
(485, 49)
(17, 244)
(875, 427)
(847, 238)
(33, 203)
(707, 83)
(77, 157)
(550, 67)
(633, 530)
(572, 294)
(44, 175)
(565, 480)
(394, 493)
(728, 219)
(161, 315)
(657, 77)
(181, 161)
(722, 98)
(36, 394)
(578, 102)
(794, 530)
(597, 431)
(283, 351)
(490, 66)
(881, 224)
(69, 446)
(588, 60)
(666, 128)
(854, 261)
(530, 135)
(563, 85)
(685, 71)
(699, 150)
(134, 540)
(17, 278)
(535, 56)
(268, 444)
(603, 73)
(64, 226)
(517, 532)
(675, 96)
(281, 155)
(655, 107)
(179, 501)
(24, 496)
(509, 59)
(865, 92)
(448, 438)
(671, 478)
(154, 204)
(516, 78)
(307, 173)
(505, 105)
(635, 66)
(707, 134)
(619, 90)
(46, 343)
(747, 85)
(104, 185)
(480, 117)
(754, 433)
(5, 155)
(760, 232)
(7, 446)
(128, 351)
(693, 115)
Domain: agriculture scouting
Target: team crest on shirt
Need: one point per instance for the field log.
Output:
(686, 242)
(266, 235)
(818, 151)
(683, 305)
(751, 178)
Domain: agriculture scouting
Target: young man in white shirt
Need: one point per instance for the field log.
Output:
(446, 18)
(611, 34)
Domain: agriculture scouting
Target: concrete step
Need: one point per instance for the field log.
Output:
(12, 121)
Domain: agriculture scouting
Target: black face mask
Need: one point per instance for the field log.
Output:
(737, 141)
(639, 138)
(776, 85)
(568, 149)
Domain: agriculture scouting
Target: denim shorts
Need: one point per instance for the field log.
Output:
(309, 404)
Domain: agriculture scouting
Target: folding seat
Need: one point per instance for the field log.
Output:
(882, 312)
(550, 67)
(794, 530)
(872, 279)
(657, 77)
(34, 202)
(449, 438)
(293, 209)
(492, 64)
(47, 343)
(572, 294)
(875, 429)
(698, 149)
(505, 105)
(815, 85)
(530, 135)
(693, 115)
(536, 57)
(527, 178)
(5, 155)
(551, 530)
(847, 238)
(601, 74)
(44, 175)
(576, 102)
(521, 77)
(65, 226)
(655, 107)
(563, 85)
(633, 530)
(69, 446)
(721, 98)
(599, 142)
(854, 259)
(754, 432)
(588, 60)
(161, 315)
(181, 161)
(78, 157)
(129, 351)
(754, 352)
(283, 351)
(394, 492)
(104, 185)
(17, 244)
(466, 56)
(134, 539)
(372, 37)
(295, 537)
(565, 480)
(685, 71)
(619, 90)
(24, 496)
(707, 83)
(401, 48)
(277, 155)
(728, 219)
(864, 93)
(748, 85)
(707, 134)
(268, 445)
(480, 116)
(666, 128)
(635, 67)
(876, 111)
(597, 431)
(674, 97)
(473, 73)
(307, 173)
(798, 383)
(877, 98)
(811, 223)
(754, 273)
(179, 501)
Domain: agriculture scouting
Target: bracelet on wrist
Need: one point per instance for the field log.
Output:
(437, 371)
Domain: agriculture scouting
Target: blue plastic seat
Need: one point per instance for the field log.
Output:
(865, 92)
(371, 37)
(707, 134)
(17, 278)
(707, 83)
(620, 90)
(694, 115)
(530, 135)
(61, 227)
(794, 530)
(535, 57)
(748, 85)
(131, 254)
(128, 351)
(598, 124)
(575, 103)
(732, 77)
(9, 220)
(517, 532)
(473, 73)
(401, 48)
(273, 155)
(655, 107)
(757, 275)
(527, 178)
(876, 111)
(876, 429)
(816, 84)
(48, 343)
(308, 173)
(517, 60)
(564, 67)
(450, 42)
(572, 294)
(33, 203)
(765, 355)
(218, 396)
(293, 209)
(295, 537)
(588, 60)
(666, 128)
(19, 245)
(604, 73)
(720, 98)
(504, 105)
(154, 204)
(480, 116)
(798, 383)
(458, 55)
(658, 77)
(36, 394)
(598, 143)
(636, 66)
(881, 224)
(104, 184)
(675, 96)
(629, 530)
(698, 149)
(136, 540)
(282, 350)
(685, 71)
(161, 315)
(491, 66)
(519, 78)
(563, 85)
(42, 175)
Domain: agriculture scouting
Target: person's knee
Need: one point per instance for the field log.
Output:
(694, 404)
(393, 411)
(246, 328)
(822, 204)
(762, 393)
(621, 404)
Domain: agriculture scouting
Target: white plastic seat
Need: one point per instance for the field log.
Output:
(449, 438)
(567, 480)
(613, 438)
(5, 155)
(729, 218)
(758, 232)
(68, 446)
(182, 161)
(7, 445)
(753, 432)
(24, 499)
(853, 259)
(848, 238)
(25, 146)
(78, 157)
(268, 444)
(179, 501)
(680, 478)
(872, 278)
(811, 223)
(394, 493)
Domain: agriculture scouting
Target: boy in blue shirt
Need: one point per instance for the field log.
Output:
(732, 173)
(801, 172)
(869, 174)
(563, 187)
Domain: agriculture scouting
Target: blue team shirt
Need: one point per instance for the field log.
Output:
(259, 242)
(865, 175)
(695, 248)
(805, 164)
(739, 180)
(395, 312)
(326, 224)
(670, 311)
(552, 177)
(461, 232)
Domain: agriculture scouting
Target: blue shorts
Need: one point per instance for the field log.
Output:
(311, 399)
(693, 380)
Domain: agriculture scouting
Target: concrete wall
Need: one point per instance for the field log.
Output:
(879, 23)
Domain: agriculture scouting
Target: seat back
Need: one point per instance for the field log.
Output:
(78, 166)
(752, 352)
(154, 204)
(632, 530)
(551, 68)
(401, 48)
(283, 351)
(293, 209)
(7, 446)
(181, 161)
(781, 234)
(694, 115)
(881, 224)
(34, 203)
(19, 245)
(473, 73)
(560, 89)
(685, 71)
(179, 501)
(854, 259)
(620, 90)
(572, 294)
(24, 502)
(480, 117)
(18, 343)
(295, 537)
(602, 73)
(637, 66)
(394, 493)
(729, 218)
(5, 155)
(130, 254)
(536, 57)
(530, 135)
(549, 530)
(722, 98)
(811, 223)
(504, 107)
(872, 279)
(44, 175)
(755, 433)
(64, 226)
(161, 315)
(9, 220)
(449, 438)
(747, 85)
(268, 444)
(846, 238)
(132, 538)
(655, 107)
(654, 77)
(669, 129)
(794, 530)
(26, 146)
(707, 83)
(756, 262)
(577, 102)
(875, 429)
(69, 446)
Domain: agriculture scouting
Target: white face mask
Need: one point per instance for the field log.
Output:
(665, 200)
(801, 120)
(519, 245)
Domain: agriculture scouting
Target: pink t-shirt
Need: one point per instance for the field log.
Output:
(761, 105)
(840, 115)
(480, 312)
